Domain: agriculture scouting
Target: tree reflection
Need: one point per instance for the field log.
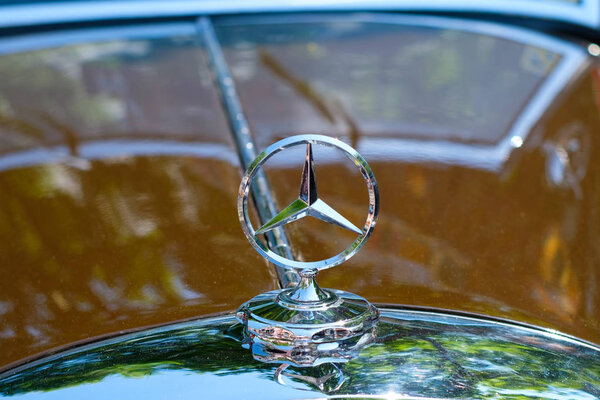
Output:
(91, 247)
(104, 248)
(416, 358)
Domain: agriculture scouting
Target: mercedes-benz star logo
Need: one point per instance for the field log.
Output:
(308, 203)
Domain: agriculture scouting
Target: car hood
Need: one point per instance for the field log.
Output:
(119, 172)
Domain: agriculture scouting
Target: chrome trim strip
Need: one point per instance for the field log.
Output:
(583, 12)
(265, 205)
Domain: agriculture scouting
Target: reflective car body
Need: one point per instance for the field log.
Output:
(121, 152)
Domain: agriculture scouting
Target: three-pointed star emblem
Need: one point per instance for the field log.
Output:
(308, 203)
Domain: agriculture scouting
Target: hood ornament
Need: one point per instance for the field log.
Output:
(306, 325)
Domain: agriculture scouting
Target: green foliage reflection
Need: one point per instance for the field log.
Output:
(424, 358)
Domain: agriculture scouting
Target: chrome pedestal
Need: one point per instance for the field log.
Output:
(307, 325)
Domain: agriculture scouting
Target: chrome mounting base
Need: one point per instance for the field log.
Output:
(307, 325)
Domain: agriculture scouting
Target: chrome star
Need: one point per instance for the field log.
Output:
(308, 203)
(306, 325)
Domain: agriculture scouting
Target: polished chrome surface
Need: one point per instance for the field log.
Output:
(307, 333)
(311, 206)
(308, 203)
(416, 354)
(290, 324)
(276, 238)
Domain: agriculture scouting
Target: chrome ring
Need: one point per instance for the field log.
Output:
(281, 145)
